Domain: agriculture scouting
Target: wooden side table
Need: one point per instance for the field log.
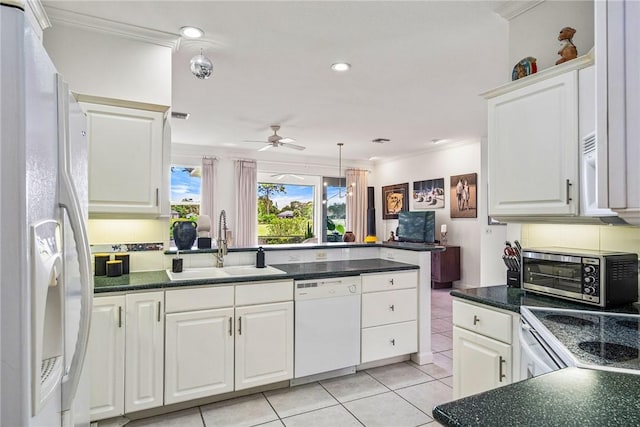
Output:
(445, 267)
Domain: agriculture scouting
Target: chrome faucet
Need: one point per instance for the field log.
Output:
(221, 241)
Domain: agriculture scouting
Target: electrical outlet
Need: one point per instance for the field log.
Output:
(390, 255)
(294, 258)
(321, 255)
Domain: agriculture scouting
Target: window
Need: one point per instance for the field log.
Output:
(186, 183)
(334, 209)
(285, 213)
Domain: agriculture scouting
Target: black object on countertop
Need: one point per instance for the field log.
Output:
(260, 258)
(176, 265)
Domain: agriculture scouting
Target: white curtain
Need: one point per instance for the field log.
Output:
(246, 223)
(208, 176)
(357, 203)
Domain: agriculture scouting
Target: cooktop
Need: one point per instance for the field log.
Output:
(590, 338)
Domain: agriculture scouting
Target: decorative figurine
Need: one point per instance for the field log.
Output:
(568, 51)
(525, 67)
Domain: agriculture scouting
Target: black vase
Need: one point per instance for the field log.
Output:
(184, 234)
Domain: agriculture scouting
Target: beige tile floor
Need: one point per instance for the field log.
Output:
(401, 394)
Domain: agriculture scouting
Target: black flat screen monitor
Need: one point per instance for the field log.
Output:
(416, 227)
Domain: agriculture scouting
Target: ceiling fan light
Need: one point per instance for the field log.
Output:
(191, 32)
(340, 66)
(201, 66)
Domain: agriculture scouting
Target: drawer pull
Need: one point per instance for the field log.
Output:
(392, 307)
(393, 341)
(159, 311)
(502, 374)
(391, 281)
(476, 319)
(240, 325)
(230, 325)
(119, 316)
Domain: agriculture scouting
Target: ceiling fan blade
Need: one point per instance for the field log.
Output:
(294, 146)
(286, 140)
(266, 147)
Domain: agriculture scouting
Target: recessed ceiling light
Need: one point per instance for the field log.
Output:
(191, 32)
(340, 66)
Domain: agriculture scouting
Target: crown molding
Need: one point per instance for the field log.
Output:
(39, 13)
(128, 31)
(509, 9)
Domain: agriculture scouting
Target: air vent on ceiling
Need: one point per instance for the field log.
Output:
(380, 140)
(181, 116)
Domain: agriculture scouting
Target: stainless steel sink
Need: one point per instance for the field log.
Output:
(221, 272)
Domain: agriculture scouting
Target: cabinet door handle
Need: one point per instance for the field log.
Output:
(476, 319)
(392, 341)
(159, 310)
(240, 325)
(502, 374)
(392, 307)
(391, 281)
(119, 316)
(230, 325)
(157, 196)
(568, 191)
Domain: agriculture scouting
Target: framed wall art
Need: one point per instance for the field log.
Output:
(395, 198)
(464, 196)
(428, 194)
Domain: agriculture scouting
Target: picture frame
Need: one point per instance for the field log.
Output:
(464, 195)
(428, 194)
(395, 198)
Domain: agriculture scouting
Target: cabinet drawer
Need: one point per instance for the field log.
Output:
(389, 281)
(264, 292)
(198, 299)
(382, 308)
(484, 321)
(382, 342)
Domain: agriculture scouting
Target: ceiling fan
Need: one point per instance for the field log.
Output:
(276, 140)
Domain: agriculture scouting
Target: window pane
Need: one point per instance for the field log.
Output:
(335, 209)
(285, 213)
(186, 183)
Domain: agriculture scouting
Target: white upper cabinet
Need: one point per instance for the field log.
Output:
(128, 159)
(618, 106)
(533, 149)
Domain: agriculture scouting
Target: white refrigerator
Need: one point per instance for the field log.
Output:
(46, 284)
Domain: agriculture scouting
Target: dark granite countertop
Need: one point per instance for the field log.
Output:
(512, 299)
(298, 271)
(569, 397)
(408, 246)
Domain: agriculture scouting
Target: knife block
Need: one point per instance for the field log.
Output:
(513, 278)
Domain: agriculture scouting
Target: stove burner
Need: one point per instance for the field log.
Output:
(609, 351)
(569, 320)
(631, 324)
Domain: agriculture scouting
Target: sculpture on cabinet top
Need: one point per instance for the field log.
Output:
(568, 51)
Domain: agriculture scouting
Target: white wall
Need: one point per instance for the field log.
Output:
(535, 32)
(440, 163)
(100, 64)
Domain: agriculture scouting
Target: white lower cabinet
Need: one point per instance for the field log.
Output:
(199, 354)
(105, 356)
(389, 315)
(144, 351)
(479, 363)
(485, 348)
(264, 344)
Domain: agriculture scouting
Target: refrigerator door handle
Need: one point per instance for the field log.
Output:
(70, 202)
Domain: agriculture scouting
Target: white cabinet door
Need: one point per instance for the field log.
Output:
(264, 344)
(618, 85)
(125, 159)
(533, 149)
(105, 357)
(144, 358)
(199, 354)
(479, 363)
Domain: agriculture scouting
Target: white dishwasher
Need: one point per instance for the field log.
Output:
(327, 325)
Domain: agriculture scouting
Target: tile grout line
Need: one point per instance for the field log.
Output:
(272, 408)
(342, 404)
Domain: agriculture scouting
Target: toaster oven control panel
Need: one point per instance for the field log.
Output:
(591, 279)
